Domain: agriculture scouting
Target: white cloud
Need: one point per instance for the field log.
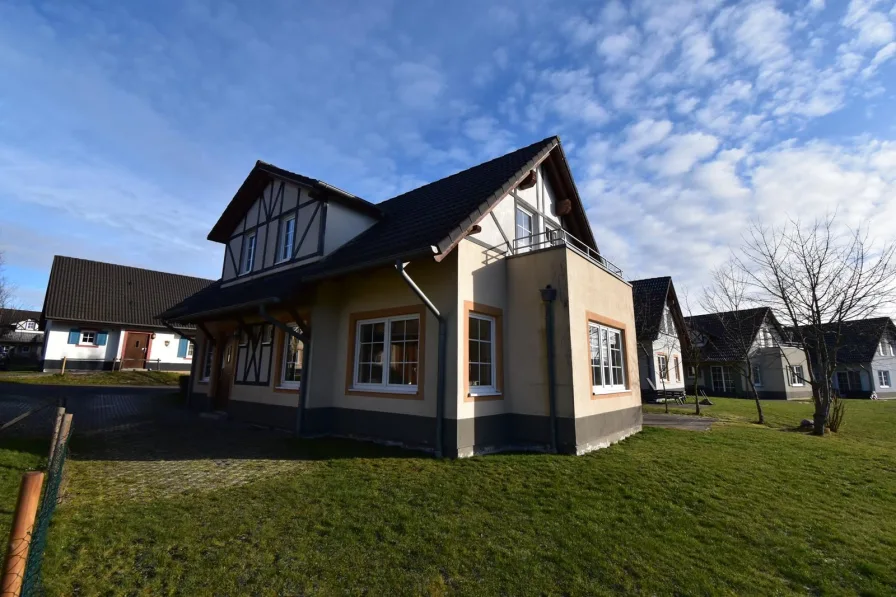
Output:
(762, 35)
(644, 134)
(683, 151)
(614, 48)
(418, 85)
(882, 55)
(697, 50)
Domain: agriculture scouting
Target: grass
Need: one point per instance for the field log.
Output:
(742, 509)
(98, 378)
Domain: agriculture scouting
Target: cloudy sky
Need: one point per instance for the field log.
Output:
(125, 128)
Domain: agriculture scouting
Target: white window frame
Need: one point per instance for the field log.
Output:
(880, 375)
(249, 258)
(30, 325)
(91, 342)
(525, 241)
(492, 388)
(725, 375)
(284, 249)
(796, 380)
(603, 332)
(757, 375)
(659, 367)
(880, 349)
(691, 371)
(385, 386)
(190, 350)
(291, 384)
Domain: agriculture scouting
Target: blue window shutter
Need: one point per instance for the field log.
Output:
(182, 348)
(74, 336)
(101, 338)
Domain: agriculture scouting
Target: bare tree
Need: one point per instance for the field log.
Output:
(5, 295)
(692, 352)
(817, 279)
(727, 298)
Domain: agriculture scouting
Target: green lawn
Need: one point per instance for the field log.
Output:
(99, 378)
(738, 510)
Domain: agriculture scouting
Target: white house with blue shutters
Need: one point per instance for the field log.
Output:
(102, 316)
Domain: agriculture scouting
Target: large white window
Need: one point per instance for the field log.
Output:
(607, 372)
(883, 379)
(796, 375)
(293, 352)
(249, 253)
(722, 380)
(525, 227)
(482, 355)
(662, 362)
(386, 354)
(757, 375)
(287, 238)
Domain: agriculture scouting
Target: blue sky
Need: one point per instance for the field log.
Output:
(125, 128)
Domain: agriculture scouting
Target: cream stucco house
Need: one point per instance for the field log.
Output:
(472, 314)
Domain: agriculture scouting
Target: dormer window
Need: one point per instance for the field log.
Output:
(249, 260)
(287, 238)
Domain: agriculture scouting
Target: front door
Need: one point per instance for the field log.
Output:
(225, 379)
(135, 351)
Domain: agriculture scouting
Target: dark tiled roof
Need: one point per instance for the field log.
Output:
(728, 334)
(858, 338)
(8, 316)
(22, 338)
(649, 300)
(93, 291)
(410, 225)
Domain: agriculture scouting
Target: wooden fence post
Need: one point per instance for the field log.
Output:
(60, 414)
(20, 534)
(64, 359)
(58, 445)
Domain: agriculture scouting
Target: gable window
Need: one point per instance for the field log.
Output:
(757, 375)
(30, 325)
(293, 353)
(677, 366)
(249, 257)
(525, 227)
(88, 337)
(607, 372)
(387, 353)
(796, 375)
(287, 238)
(663, 366)
(883, 379)
(885, 348)
(722, 381)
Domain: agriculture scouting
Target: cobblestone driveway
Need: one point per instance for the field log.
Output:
(138, 444)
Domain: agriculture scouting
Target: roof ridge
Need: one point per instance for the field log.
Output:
(134, 267)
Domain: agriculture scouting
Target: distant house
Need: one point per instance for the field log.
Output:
(20, 334)
(728, 340)
(866, 357)
(660, 330)
(102, 316)
(471, 314)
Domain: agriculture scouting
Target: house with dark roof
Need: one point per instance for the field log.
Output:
(102, 316)
(20, 335)
(472, 314)
(735, 346)
(661, 330)
(866, 357)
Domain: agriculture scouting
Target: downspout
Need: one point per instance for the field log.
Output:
(305, 339)
(442, 356)
(548, 296)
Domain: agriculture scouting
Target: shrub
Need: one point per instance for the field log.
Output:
(835, 415)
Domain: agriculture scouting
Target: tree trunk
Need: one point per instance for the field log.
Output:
(696, 395)
(758, 406)
(820, 416)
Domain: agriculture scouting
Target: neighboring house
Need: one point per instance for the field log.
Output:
(20, 334)
(866, 357)
(779, 368)
(101, 316)
(420, 320)
(661, 329)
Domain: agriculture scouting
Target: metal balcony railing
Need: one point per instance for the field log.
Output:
(547, 239)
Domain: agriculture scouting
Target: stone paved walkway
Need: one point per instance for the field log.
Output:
(685, 422)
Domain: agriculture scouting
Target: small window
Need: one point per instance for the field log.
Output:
(880, 349)
(386, 354)
(287, 238)
(293, 352)
(209, 360)
(677, 366)
(27, 349)
(482, 359)
(30, 325)
(249, 257)
(607, 372)
(189, 350)
(757, 375)
(88, 338)
(796, 375)
(883, 379)
(525, 228)
(662, 366)
(722, 380)
(692, 371)
(553, 232)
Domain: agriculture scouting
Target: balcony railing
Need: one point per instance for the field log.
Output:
(550, 238)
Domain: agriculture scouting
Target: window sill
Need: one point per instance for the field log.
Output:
(596, 395)
(483, 396)
(385, 393)
(797, 385)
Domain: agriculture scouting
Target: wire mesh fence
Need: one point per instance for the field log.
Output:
(38, 498)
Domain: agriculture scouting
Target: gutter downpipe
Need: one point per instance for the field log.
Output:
(548, 296)
(305, 339)
(443, 350)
